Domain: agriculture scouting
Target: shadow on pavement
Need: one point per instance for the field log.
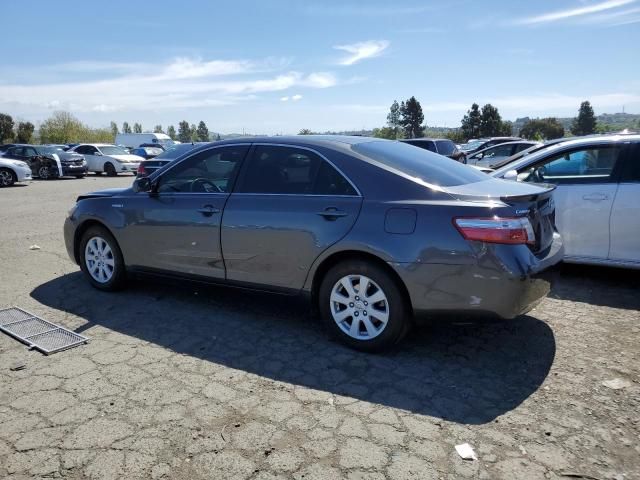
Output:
(603, 286)
(467, 374)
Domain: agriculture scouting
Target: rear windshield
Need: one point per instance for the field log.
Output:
(175, 150)
(446, 147)
(416, 162)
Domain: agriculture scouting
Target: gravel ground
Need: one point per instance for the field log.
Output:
(187, 382)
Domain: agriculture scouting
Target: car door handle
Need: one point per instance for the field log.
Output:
(332, 213)
(596, 197)
(208, 210)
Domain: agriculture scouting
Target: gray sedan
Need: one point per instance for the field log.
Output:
(373, 231)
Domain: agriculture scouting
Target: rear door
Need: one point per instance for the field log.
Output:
(289, 205)
(587, 186)
(625, 214)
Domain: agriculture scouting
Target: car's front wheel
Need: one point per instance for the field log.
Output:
(110, 170)
(363, 306)
(7, 177)
(101, 259)
(44, 172)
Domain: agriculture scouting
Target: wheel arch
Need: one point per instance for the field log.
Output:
(83, 227)
(347, 255)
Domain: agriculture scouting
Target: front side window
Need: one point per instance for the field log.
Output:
(588, 165)
(210, 171)
(499, 151)
(446, 147)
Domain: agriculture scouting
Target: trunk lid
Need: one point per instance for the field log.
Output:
(534, 201)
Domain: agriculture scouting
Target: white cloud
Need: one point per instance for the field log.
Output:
(572, 13)
(284, 99)
(296, 97)
(361, 50)
(180, 83)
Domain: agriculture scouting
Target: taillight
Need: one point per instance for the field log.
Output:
(141, 170)
(512, 231)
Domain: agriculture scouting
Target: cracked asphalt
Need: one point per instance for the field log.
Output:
(189, 382)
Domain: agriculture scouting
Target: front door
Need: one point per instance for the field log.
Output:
(290, 205)
(586, 190)
(177, 228)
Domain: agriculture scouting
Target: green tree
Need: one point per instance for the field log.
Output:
(393, 118)
(202, 132)
(24, 132)
(218, 137)
(6, 127)
(171, 131)
(490, 121)
(305, 131)
(137, 128)
(184, 132)
(411, 118)
(542, 129)
(385, 132)
(126, 128)
(62, 127)
(506, 129)
(114, 129)
(470, 124)
(157, 129)
(456, 135)
(585, 122)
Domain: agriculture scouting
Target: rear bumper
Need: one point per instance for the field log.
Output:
(505, 281)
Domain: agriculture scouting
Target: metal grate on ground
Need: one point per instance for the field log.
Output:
(38, 333)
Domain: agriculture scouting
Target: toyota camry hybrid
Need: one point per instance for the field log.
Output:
(374, 232)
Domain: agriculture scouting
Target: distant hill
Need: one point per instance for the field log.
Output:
(612, 122)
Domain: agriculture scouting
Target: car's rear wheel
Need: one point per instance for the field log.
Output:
(363, 306)
(7, 177)
(101, 259)
(110, 170)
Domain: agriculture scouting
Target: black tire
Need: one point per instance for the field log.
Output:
(110, 170)
(79, 176)
(398, 309)
(7, 177)
(119, 275)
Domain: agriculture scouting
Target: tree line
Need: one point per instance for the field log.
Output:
(63, 127)
(405, 120)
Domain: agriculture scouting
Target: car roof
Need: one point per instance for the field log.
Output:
(308, 140)
(422, 139)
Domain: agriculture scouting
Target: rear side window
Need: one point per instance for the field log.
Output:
(586, 165)
(430, 168)
(290, 170)
(446, 147)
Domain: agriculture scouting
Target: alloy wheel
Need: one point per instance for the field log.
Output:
(359, 307)
(44, 172)
(99, 259)
(6, 178)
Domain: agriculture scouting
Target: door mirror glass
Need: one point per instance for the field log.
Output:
(98, 153)
(142, 185)
(511, 175)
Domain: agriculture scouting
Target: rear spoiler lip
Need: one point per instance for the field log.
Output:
(547, 190)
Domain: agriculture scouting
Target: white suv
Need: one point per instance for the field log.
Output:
(110, 159)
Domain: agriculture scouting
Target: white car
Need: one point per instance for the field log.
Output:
(110, 159)
(490, 156)
(12, 171)
(597, 196)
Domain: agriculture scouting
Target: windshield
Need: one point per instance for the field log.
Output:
(43, 150)
(471, 145)
(519, 163)
(416, 162)
(113, 150)
(175, 150)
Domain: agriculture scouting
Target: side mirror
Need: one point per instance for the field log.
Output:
(142, 184)
(511, 175)
(99, 154)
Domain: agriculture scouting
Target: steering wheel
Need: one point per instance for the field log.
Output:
(207, 185)
(538, 174)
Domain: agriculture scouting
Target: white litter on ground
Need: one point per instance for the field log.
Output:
(34, 247)
(616, 383)
(466, 451)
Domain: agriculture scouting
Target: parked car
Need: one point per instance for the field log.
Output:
(474, 146)
(597, 195)
(134, 140)
(5, 147)
(490, 156)
(12, 171)
(372, 230)
(527, 151)
(442, 146)
(48, 162)
(147, 152)
(147, 167)
(102, 157)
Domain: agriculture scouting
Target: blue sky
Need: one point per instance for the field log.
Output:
(276, 66)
